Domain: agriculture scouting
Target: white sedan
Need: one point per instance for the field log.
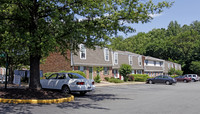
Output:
(68, 82)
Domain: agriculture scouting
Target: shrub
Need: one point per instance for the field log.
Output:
(106, 78)
(115, 80)
(172, 71)
(124, 70)
(179, 72)
(140, 77)
(97, 79)
(174, 76)
(130, 78)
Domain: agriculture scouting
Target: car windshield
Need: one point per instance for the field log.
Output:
(75, 76)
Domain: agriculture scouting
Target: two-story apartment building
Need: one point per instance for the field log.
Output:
(88, 60)
(153, 66)
(169, 65)
(124, 57)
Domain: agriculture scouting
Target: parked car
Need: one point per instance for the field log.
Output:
(68, 82)
(194, 77)
(161, 79)
(183, 79)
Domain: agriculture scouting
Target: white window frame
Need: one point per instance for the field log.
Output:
(139, 61)
(84, 51)
(106, 54)
(130, 60)
(146, 62)
(154, 62)
(115, 58)
(161, 63)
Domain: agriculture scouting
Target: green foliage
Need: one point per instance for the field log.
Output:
(177, 43)
(172, 71)
(195, 67)
(179, 72)
(115, 80)
(97, 79)
(106, 78)
(174, 76)
(140, 77)
(124, 70)
(39, 27)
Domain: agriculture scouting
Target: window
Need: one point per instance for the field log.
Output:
(161, 63)
(106, 72)
(116, 58)
(139, 71)
(140, 60)
(172, 65)
(82, 52)
(53, 76)
(168, 65)
(133, 72)
(154, 63)
(106, 54)
(61, 76)
(146, 61)
(130, 60)
(82, 68)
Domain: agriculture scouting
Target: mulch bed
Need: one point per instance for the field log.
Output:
(25, 93)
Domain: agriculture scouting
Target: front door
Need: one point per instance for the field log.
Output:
(90, 73)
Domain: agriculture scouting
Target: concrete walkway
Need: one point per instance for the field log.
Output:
(105, 83)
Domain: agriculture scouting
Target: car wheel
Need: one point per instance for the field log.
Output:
(150, 82)
(65, 89)
(167, 82)
(185, 81)
(193, 80)
(83, 93)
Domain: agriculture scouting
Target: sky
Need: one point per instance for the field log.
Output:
(182, 11)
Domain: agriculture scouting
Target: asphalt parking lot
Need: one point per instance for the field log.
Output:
(182, 98)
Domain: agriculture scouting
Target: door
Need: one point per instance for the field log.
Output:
(158, 79)
(50, 81)
(115, 73)
(90, 73)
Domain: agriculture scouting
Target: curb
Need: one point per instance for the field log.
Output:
(118, 84)
(37, 101)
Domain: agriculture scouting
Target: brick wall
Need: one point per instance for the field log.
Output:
(56, 62)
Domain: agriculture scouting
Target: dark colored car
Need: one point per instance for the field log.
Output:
(183, 79)
(161, 79)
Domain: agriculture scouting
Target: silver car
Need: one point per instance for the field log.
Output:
(194, 77)
(68, 82)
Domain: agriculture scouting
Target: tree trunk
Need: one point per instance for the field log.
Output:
(11, 73)
(34, 72)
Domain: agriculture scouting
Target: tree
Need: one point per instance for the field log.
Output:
(195, 67)
(179, 72)
(171, 71)
(124, 70)
(43, 26)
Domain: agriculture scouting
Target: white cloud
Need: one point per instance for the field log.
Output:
(155, 15)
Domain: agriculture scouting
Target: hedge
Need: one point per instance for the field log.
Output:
(140, 77)
(113, 80)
